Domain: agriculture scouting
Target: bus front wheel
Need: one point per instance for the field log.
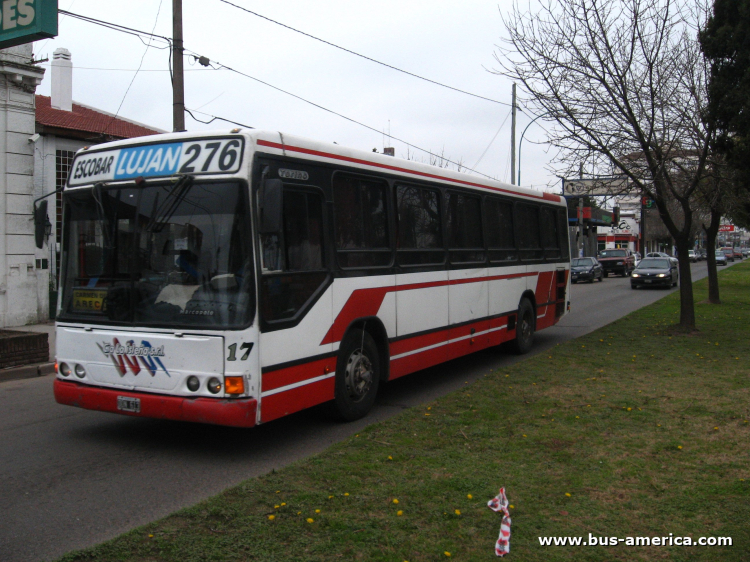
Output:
(524, 328)
(357, 376)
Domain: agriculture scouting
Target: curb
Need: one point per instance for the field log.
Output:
(27, 372)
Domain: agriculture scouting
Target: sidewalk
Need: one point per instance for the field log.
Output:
(34, 369)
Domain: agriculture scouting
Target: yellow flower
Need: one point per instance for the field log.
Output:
(151, 536)
(330, 497)
(427, 414)
(276, 507)
(457, 512)
(716, 428)
(317, 511)
(282, 504)
(346, 493)
(511, 506)
(399, 513)
(271, 517)
(429, 407)
(567, 494)
(577, 417)
(278, 491)
(299, 513)
(395, 500)
(629, 409)
(390, 458)
(524, 435)
(679, 446)
(658, 425)
(470, 496)
(447, 553)
(310, 520)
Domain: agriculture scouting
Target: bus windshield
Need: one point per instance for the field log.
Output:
(176, 254)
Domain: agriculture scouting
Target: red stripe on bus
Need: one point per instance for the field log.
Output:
(546, 196)
(366, 302)
(297, 373)
(296, 399)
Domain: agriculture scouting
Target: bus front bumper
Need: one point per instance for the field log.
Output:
(230, 412)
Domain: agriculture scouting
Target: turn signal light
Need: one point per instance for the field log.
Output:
(234, 385)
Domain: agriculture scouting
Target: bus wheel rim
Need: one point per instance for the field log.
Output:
(358, 375)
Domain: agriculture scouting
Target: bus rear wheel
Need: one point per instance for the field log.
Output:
(357, 376)
(524, 328)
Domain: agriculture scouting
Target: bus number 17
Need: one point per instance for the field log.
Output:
(233, 351)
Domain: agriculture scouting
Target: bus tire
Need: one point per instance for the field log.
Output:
(524, 328)
(357, 376)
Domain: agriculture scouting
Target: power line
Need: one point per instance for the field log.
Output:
(493, 140)
(121, 28)
(362, 56)
(214, 118)
(138, 33)
(158, 11)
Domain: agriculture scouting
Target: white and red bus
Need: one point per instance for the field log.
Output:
(233, 278)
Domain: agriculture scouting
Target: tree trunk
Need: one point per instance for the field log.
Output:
(713, 277)
(687, 309)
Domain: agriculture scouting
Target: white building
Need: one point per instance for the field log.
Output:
(39, 136)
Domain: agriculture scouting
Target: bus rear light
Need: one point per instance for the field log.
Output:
(80, 371)
(65, 370)
(234, 385)
(193, 383)
(214, 385)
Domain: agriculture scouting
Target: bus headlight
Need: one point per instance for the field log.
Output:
(65, 370)
(80, 371)
(193, 383)
(214, 385)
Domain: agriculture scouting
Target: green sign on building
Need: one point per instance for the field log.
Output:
(24, 21)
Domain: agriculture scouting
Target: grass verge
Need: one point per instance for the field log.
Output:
(633, 430)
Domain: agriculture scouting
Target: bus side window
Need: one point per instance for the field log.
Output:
(529, 239)
(549, 234)
(301, 267)
(501, 242)
(361, 222)
(464, 227)
(420, 238)
(562, 228)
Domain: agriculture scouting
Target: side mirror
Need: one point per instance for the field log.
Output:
(271, 206)
(42, 226)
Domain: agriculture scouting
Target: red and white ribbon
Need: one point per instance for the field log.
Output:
(500, 503)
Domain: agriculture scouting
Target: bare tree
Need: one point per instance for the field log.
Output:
(625, 83)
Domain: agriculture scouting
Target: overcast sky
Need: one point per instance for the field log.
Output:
(444, 40)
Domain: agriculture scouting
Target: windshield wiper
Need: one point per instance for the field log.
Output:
(161, 214)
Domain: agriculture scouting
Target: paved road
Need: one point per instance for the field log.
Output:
(71, 478)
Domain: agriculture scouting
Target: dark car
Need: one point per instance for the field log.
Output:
(738, 254)
(585, 269)
(656, 272)
(721, 258)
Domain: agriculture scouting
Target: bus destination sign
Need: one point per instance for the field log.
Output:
(24, 21)
(208, 156)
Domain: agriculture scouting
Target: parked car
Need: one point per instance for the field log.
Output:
(721, 258)
(655, 272)
(738, 254)
(729, 253)
(617, 260)
(585, 269)
(637, 256)
(745, 252)
(692, 255)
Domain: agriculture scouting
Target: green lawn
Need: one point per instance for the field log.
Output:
(634, 430)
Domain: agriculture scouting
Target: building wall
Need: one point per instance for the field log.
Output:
(18, 273)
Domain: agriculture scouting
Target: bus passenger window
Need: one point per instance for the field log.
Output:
(420, 240)
(361, 222)
(529, 239)
(501, 243)
(464, 226)
(549, 234)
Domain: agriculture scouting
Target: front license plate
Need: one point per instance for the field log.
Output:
(127, 404)
(647, 281)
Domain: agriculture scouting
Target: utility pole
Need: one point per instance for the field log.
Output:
(513, 139)
(178, 78)
(579, 213)
(643, 226)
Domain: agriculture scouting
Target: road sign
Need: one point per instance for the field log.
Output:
(595, 186)
(726, 228)
(24, 21)
(648, 203)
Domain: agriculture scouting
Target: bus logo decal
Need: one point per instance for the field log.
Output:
(126, 356)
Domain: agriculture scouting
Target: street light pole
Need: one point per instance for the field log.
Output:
(521, 141)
